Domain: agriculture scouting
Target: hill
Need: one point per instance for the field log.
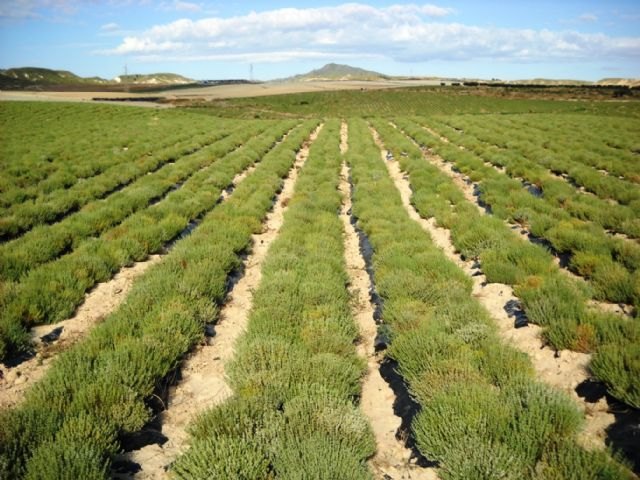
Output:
(335, 71)
(30, 76)
(622, 82)
(154, 79)
(36, 78)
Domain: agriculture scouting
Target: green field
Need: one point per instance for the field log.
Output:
(542, 196)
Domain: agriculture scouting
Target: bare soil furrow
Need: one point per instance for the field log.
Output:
(202, 381)
(536, 191)
(564, 370)
(102, 300)
(393, 460)
(471, 192)
(52, 339)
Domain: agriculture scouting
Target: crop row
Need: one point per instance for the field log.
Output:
(482, 413)
(608, 144)
(57, 204)
(38, 157)
(549, 298)
(70, 423)
(296, 375)
(33, 132)
(610, 264)
(52, 291)
(46, 242)
(521, 155)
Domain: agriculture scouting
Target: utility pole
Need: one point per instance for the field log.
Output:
(251, 72)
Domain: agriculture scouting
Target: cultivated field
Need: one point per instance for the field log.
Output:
(403, 283)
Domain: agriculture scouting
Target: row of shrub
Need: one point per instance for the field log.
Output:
(71, 423)
(36, 153)
(525, 156)
(549, 298)
(50, 208)
(295, 376)
(603, 142)
(52, 291)
(482, 414)
(46, 242)
(609, 264)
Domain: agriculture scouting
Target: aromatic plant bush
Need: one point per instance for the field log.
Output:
(66, 280)
(482, 414)
(295, 375)
(112, 373)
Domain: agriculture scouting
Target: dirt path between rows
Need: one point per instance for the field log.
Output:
(564, 370)
(471, 191)
(392, 459)
(203, 383)
(99, 302)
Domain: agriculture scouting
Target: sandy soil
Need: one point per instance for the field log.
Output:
(103, 299)
(564, 371)
(469, 190)
(216, 92)
(392, 459)
(203, 383)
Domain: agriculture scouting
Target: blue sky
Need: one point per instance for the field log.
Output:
(491, 39)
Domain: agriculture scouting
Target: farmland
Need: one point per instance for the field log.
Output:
(409, 283)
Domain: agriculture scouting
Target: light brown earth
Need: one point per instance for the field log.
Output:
(203, 383)
(565, 371)
(392, 459)
(98, 304)
(103, 299)
(468, 188)
(217, 92)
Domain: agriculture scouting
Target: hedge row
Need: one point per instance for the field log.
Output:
(53, 206)
(70, 423)
(37, 157)
(548, 297)
(524, 155)
(609, 264)
(46, 242)
(52, 291)
(296, 375)
(482, 414)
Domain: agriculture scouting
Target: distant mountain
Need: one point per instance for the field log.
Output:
(334, 71)
(33, 77)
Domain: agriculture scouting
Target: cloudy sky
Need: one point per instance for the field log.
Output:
(208, 40)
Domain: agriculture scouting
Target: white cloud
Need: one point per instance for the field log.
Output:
(588, 18)
(404, 33)
(110, 27)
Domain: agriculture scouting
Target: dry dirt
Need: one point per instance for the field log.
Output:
(216, 92)
(392, 460)
(565, 371)
(469, 188)
(103, 299)
(203, 383)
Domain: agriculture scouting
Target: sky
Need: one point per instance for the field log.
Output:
(586, 40)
